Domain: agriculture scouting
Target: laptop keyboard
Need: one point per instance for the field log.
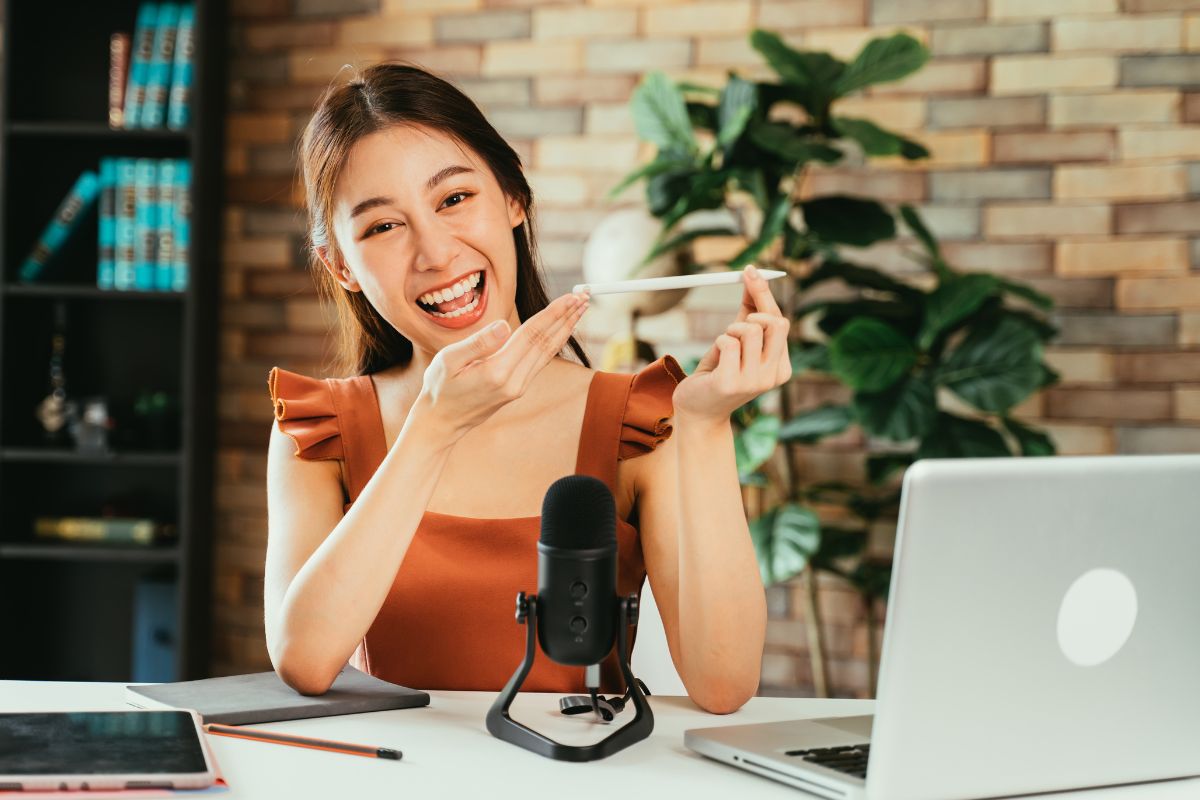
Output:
(851, 759)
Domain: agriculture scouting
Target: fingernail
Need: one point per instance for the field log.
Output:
(752, 270)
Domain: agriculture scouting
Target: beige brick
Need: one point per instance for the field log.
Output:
(1026, 74)
(391, 31)
(1191, 33)
(529, 123)
(409, 7)
(532, 58)
(1174, 69)
(1189, 328)
(1158, 293)
(1182, 217)
(323, 66)
(586, 153)
(989, 112)
(696, 18)
(1032, 148)
(1109, 404)
(777, 15)
(1154, 181)
(893, 187)
(274, 35)
(637, 55)
(992, 39)
(273, 252)
(483, 26)
(1087, 294)
(608, 118)
(248, 128)
(893, 113)
(1040, 9)
(886, 12)
(941, 76)
(993, 184)
(556, 23)
(845, 43)
(448, 60)
(1081, 366)
(1187, 402)
(1121, 256)
(1119, 34)
(557, 188)
(1191, 107)
(576, 89)
(1128, 107)
(734, 51)
(1162, 143)
(946, 149)
(1008, 258)
(1080, 440)
(1036, 219)
(237, 159)
(1172, 367)
(1156, 6)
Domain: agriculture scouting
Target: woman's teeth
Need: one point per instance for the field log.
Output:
(458, 312)
(446, 300)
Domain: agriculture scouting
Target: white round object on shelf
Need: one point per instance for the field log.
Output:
(613, 251)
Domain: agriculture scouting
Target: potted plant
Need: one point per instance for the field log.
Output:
(934, 364)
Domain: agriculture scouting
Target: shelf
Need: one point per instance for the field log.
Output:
(89, 552)
(83, 291)
(36, 455)
(94, 130)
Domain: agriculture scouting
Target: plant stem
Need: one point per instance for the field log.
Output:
(872, 655)
(816, 645)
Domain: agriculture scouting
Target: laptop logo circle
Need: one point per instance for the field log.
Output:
(1096, 617)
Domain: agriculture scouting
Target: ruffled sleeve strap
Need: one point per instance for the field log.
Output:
(649, 407)
(305, 410)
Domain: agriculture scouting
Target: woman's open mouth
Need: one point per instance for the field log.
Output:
(458, 306)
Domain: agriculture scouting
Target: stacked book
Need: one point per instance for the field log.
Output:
(144, 224)
(150, 75)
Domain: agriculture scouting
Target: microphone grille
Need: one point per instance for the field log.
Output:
(578, 512)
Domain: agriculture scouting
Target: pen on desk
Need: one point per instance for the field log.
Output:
(239, 732)
(673, 282)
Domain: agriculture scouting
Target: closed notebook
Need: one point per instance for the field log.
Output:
(264, 697)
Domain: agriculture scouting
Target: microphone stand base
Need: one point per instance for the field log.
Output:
(501, 724)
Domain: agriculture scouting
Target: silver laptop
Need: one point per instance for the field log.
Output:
(1043, 633)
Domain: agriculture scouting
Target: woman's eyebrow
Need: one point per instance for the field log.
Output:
(439, 176)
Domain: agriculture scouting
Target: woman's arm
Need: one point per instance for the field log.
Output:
(701, 562)
(327, 575)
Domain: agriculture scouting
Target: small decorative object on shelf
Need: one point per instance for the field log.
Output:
(56, 412)
(91, 430)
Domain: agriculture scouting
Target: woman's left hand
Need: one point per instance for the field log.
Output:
(750, 358)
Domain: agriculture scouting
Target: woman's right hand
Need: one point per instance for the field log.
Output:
(468, 381)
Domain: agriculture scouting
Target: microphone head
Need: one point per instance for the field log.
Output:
(578, 513)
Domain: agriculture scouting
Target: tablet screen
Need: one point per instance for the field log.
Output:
(100, 743)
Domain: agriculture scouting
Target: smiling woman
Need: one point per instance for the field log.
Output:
(402, 501)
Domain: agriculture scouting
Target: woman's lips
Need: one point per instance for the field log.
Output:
(469, 318)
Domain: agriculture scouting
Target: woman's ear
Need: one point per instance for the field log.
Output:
(340, 272)
(516, 213)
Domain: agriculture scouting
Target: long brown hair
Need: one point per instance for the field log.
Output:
(383, 95)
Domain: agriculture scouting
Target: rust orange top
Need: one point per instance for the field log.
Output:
(447, 622)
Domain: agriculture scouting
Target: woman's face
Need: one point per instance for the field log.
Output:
(415, 213)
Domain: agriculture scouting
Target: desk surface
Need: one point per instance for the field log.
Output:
(448, 752)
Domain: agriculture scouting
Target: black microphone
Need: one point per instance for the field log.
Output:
(577, 573)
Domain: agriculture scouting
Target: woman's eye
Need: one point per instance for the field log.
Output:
(463, 195)
(378, 228)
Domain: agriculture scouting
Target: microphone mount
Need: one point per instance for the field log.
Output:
(501, 724)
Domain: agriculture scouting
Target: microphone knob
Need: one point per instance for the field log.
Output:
(578, 625)
(579, 590)
(522, 607)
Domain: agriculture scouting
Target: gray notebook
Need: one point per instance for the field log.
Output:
(264, 697)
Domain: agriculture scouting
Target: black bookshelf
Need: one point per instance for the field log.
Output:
(68, 608)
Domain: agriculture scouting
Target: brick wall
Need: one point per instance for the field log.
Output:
(1066, 152)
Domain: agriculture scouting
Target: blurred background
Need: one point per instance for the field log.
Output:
(988, 210)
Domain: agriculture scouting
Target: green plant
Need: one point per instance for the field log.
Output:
(935, 365)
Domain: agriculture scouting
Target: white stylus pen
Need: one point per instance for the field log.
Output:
(673, 282)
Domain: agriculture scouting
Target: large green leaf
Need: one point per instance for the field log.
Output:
(876, 141)
(1032, 441)
(870, 355)
(882, 60)
(705, 189)
(996, 366)
(903, 315)
(754, 445)
(771, 228)
(808, 356)
(734, 109)
(860, 277)
(660, 114)
(958, 437)
(913, 220)
(658, 166)
(1026, 292)
(882, 466)
(953, 301)
(815, 425)
(812, 75)
(848, 220)
(901, 412)
(783, 141)
(785, 538)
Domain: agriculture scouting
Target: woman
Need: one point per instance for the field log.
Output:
(403, 502)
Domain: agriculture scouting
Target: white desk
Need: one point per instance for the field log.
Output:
(449, 754)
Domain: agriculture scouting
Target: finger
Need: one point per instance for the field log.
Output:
(775, 331)
(547, 349)
(730, 364)
(750, 335)
(758, 292)
(533, 332)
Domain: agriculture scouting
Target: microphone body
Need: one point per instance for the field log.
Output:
(577, 601)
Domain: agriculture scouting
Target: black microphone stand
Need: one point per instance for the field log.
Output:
(501, 725)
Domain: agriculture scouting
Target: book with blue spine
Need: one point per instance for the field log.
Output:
(180, 96)
(126, 209)
(164, 265)
(65, 221)
(183, 222)
(158, 73)
(106, 257)
(139, 63)
(145, 223)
